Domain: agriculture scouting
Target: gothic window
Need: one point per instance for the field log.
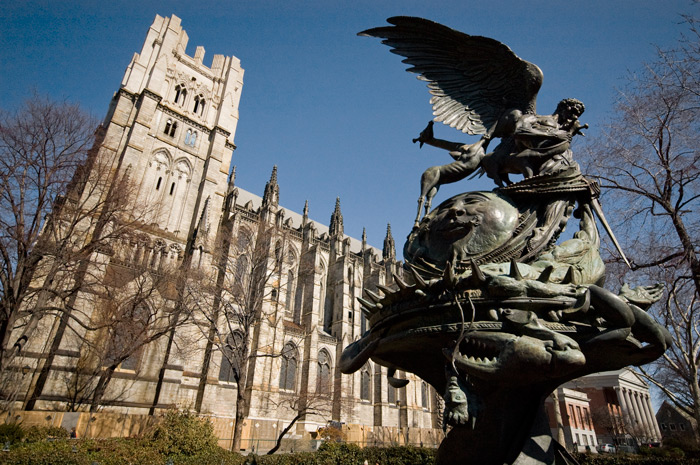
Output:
(127, 336)
(242, 269)
(172, 188)
(170, 128)
(424, 394)
(230, 357)
(391, 394)
(324, 373)
(180, 94)
(278, 250)
(160, 178)
(190, 137)
(288, 371)
(364, 384)
(244, 239)
(199, 103)
(290, 291)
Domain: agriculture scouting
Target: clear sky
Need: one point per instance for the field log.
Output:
(336, 112)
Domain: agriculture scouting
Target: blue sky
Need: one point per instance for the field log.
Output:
(336, 112)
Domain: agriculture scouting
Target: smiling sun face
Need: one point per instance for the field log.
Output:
(465, 225)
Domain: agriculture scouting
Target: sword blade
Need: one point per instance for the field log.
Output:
(598, 210)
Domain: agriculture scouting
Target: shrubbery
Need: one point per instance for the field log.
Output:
(10, 432)
(188, 440)
(182, 434)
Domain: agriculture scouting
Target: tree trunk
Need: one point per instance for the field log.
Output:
(101, 387)
(284, 431)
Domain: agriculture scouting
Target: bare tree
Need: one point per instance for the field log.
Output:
(61, 205)
(648, 162)
(317, 403)
(233, 302)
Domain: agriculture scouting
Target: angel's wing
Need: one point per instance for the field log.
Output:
(473, 79)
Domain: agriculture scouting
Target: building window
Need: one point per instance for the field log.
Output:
(672, 426)
(364, 384)
(158, 183)
(190, 137)
(664, 427)
(681, 426)
(170, 128)
(172, 188)
(424, 394)
(199, 103)
(180, 94)
(127, 336)
(391, 394)
(288, 371)
(290, 291)
(324, 373)
(230, 357)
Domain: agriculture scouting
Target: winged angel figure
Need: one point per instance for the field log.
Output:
(480, 87)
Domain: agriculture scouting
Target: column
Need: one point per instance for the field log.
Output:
(629, 413)
(652, 417)
(621, 399)
(642, 416)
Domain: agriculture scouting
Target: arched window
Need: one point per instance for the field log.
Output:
(160, 178)
(180, 94)
(172, 130)
(288, 371)
(190, 137)
(424, 394)
(127, 336)
(172, 188)
(242, 270)
(231, 357)
(391, 394)
(290, 292)
(168, 126)
(199, 103)
(324, 373)
(364, 384)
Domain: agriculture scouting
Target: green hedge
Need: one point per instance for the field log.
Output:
(630, 459)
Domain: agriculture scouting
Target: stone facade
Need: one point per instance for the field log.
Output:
(170, 127)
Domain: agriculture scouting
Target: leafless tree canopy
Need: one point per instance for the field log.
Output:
(42, 146)
(229, 303)
(647, 161)
(61, 202)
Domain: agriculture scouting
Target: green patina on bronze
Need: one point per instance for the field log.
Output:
(495, 311)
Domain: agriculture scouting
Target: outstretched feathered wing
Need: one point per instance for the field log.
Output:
(473, 80)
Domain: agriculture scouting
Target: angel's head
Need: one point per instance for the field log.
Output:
(568, 111)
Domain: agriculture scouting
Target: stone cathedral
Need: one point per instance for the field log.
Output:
(171, 126)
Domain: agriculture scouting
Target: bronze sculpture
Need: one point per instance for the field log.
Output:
(503, 313)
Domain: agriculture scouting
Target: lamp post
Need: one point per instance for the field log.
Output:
(257, 445)
(398, 422)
